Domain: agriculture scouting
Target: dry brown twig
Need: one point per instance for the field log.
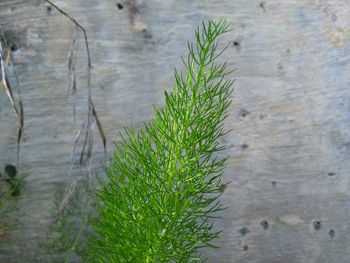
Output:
(72, 81)
(5, 62)
(92, 116)
(88, 124)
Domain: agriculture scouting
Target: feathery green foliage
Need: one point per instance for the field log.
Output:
(66, 238)
(11, 188)
(164, 181)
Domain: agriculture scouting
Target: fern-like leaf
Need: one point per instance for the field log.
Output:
(164, 181)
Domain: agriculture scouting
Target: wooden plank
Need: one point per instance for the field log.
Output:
(289, 147)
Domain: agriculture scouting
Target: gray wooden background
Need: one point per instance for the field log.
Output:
(290, 146)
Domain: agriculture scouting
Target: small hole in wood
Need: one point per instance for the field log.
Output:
(243, 113)
(262, 6)
(264, 224)
(48, 9)
(317, 225)
(13, 47)
(243, 231)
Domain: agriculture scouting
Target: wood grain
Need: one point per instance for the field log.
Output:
(290, 145)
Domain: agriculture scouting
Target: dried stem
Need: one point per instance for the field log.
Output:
(91, 115)
(4, 61)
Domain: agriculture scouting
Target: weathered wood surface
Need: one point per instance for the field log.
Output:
(289, 150)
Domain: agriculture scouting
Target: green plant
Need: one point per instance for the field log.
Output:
(16, 186)
(5, 209)
(11, 187)
(67, 235)
(164, 181)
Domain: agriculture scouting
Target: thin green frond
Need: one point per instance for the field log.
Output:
(163, 184)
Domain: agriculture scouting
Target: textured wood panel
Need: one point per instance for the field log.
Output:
(290, 145)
